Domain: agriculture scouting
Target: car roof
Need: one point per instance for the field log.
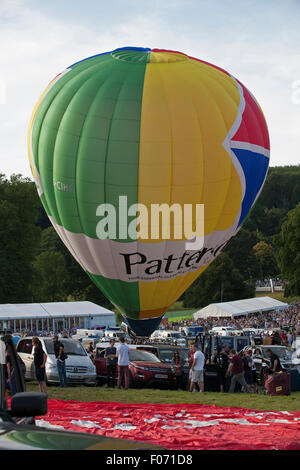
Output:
(42, 338)
(105, 344)
(162, 346)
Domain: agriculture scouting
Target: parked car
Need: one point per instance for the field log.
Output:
(116, 334)
(84, 333)
(210, 342)
(222, 330)
(262, 360)
(19, 432)
(168, 336)
(144, 368)
(191, 331)
(79, 366)
(165, 354)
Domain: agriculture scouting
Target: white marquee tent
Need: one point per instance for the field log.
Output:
(240, 307)
(54, 315)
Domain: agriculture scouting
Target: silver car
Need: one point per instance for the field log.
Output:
(79, 366)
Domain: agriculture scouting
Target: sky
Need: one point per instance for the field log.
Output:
(258, 42)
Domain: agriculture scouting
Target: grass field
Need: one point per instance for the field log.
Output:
(253, 401)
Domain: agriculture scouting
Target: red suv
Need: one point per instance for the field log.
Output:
(144, 368)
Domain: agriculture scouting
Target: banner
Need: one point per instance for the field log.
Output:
(180, 426)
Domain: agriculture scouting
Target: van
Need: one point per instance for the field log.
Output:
(211, 342)
(85, 333)
(168, 336)
(116, 334)
(79, 367)
(222, 330)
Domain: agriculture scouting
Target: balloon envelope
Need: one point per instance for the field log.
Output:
(152, 127)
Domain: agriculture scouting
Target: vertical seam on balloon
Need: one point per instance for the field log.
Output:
(105, 170)
(105, 195)
(45, 195)
(31, 126)
(184, 277)
(153, 282)
(229, 154)
(162, 79)
(167, 296)
(87, 239)
(75, 198)
(139, 161)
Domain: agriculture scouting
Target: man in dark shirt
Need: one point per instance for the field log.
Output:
(224, 366)
(236, 367)
(111, 362)
(275, 365)
(59, 352)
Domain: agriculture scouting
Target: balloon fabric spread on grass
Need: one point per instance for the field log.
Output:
(179, 427)
(154, 127)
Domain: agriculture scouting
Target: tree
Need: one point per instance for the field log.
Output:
(221, 282)
(240, 252)
(77, 284)
(51, 277)
(289, 251)
(265, 256)
(19, 237)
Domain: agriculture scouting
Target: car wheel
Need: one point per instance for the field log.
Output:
(99, 382)
(262, 378)
(131, 381)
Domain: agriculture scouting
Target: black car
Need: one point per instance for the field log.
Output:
(262, 360)
(17, 428)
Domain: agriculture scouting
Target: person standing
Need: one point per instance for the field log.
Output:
(111, 362)
(275, 365)
(178, 370)
(123, 363)
(60, 355)
(197, 369)
(40, 358)
(224, 366)
(253, 378)
(236, 367)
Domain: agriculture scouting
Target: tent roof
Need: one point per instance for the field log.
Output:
(51, 310)
(240, 307)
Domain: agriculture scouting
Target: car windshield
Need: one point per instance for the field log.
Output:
(194, 331)
(167, 355)
(241, 343)
(224, 341)
(71, 348)
(138, 355)
(283, 353)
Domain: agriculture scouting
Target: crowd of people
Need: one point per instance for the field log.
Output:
(286, 320)
(235, 368)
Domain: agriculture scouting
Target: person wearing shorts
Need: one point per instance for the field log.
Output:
(40, 358)
(197, 369)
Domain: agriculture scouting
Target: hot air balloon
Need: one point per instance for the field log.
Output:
(147, 127)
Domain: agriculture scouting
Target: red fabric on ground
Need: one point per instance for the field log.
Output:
(184, 426)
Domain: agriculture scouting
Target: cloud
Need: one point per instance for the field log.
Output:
(37, 45)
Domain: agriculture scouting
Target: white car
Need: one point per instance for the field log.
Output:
(170, 336)
(85, 333)
(222, 331)
(79, 366)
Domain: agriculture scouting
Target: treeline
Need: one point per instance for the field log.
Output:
(35, 266)
(267, 245)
